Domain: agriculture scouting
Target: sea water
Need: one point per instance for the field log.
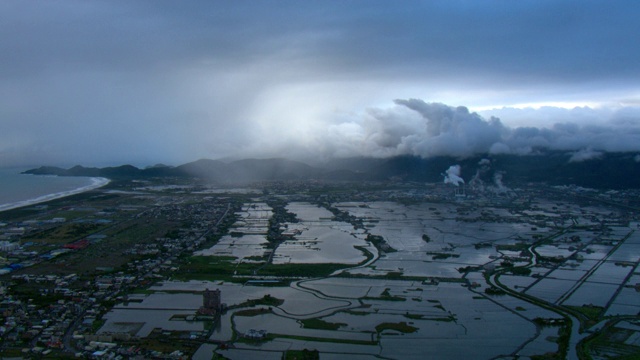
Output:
(17, 190)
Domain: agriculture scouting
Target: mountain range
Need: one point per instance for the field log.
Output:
(609, 170)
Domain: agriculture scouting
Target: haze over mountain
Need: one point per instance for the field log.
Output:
(105, 83)
(611, 170)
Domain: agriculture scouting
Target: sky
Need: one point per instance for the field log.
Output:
(113, 82)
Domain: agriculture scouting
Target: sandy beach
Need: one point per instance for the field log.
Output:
(96, 182)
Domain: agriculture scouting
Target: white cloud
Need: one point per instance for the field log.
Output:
(415, 127)
(585, 154)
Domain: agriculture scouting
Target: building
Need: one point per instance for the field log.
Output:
(211, 304)
(255, 334)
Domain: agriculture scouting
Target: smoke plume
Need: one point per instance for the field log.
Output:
(499, 186)
(452, 175)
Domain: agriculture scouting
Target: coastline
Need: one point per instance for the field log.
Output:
(96, 182)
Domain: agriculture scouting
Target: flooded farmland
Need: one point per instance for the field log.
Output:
(319, 239)
(437, 278)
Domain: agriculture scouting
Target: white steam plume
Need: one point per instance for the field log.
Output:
(484, 165)
(452, 175)
(497, 180)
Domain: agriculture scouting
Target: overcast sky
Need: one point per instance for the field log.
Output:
(142, 82)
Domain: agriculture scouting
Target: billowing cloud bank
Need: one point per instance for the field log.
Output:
(104, 83)
(416, 127)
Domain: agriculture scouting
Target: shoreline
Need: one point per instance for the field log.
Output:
(96, 182)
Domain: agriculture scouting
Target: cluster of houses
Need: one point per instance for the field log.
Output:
(65, 311)
(15, 254)
(59, 308)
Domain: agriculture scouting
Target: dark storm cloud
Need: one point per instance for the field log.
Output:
(531, 38)
(151, 81)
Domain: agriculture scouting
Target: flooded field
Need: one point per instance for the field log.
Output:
(439, 279)
(247, 240)
(319, 239)
(435, 240)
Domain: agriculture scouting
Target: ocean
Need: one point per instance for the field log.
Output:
(17, 190)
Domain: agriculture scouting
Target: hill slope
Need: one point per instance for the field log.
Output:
(613, 170)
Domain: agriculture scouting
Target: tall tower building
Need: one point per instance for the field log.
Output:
(211, 299)
(211, 304)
